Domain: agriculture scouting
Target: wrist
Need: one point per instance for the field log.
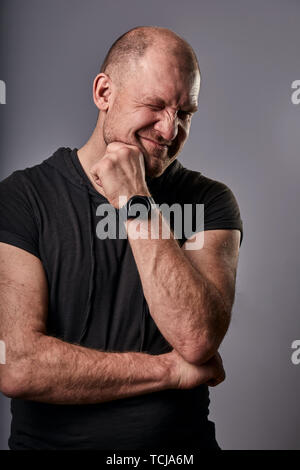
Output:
(138, 210)
(143, 191)
(170, 377)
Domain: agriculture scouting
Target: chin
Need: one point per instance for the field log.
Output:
(155, 169)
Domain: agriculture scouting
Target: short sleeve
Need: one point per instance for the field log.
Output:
(18, 226)
(221, 211)
(219, 208)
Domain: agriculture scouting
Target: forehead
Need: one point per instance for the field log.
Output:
(159, 75)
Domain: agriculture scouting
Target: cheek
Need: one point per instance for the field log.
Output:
(118, 124)
(143, 119)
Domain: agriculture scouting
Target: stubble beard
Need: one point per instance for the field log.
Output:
(155, 162)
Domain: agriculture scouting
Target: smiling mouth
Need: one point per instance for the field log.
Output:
(155, 144)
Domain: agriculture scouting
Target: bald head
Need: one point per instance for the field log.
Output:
(126, 52)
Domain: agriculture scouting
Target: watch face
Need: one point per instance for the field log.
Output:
(139, 206)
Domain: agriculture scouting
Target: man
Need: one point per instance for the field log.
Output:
(111, 343)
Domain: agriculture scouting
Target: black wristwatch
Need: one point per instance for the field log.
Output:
(137, 206)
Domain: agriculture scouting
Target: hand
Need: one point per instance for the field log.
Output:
(188, 376)
(121, 172)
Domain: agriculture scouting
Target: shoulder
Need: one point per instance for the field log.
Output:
(23, 176)
(18, 219)
(194, 186)
(18, 189)
(14, 184)
(220, 206)
(35, 180)
(23, 194)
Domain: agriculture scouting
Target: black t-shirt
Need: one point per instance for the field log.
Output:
(96, 300)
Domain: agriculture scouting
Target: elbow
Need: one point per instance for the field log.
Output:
(206, 345)
(200, 354)
(7, 389)
(14, 382)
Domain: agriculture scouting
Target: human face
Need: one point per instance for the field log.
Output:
(154, 109)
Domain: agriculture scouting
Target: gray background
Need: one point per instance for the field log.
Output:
(245, 134)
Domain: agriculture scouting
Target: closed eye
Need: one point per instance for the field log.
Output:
(180, 113)
(155, 108)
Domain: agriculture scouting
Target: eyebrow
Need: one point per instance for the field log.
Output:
(193, 108)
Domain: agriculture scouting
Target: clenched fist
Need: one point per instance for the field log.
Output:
(121, 172)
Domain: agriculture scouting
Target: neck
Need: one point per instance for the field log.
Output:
(91, 152)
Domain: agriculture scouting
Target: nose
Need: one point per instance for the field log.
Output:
(167, 126)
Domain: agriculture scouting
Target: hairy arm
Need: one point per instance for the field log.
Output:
(43, 368)
(190, 293)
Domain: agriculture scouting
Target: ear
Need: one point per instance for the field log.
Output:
(101, 91)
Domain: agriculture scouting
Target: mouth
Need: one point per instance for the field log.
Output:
(155, 144)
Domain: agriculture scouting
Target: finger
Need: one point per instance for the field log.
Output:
(96, 178)
(114, 146)
(98, 182)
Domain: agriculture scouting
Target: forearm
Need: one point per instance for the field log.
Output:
(63, 373)
(187, 308)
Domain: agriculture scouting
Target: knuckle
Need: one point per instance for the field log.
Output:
(94, 169)
(108, 163)
(113, 146)
(123, 152)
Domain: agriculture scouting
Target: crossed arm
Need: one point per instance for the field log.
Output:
(43, 368)
(190, 293)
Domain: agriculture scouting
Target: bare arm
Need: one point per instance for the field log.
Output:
(190, 300)
(43, 368)
(189, 292)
